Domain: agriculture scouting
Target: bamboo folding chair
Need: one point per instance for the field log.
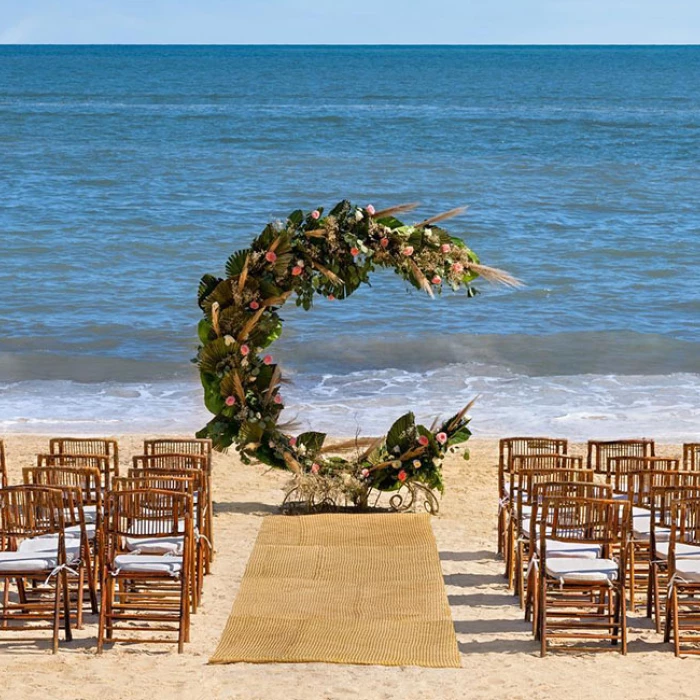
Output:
(524, 480)
(3, 465)
(691, 456)
(683, 599)
(676, 487)
(507, 448)
(195, 446)
(527, 463)
(556, 488)
(583, 598)
(600, 451)
(162, 480)
(625, 474)
(102, 463)
(96, 447)
(146, 576)
(28, 512)
(186, 463)
(79, 485)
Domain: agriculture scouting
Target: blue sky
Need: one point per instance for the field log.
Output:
(350, 21)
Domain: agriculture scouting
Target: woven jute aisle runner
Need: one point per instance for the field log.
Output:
(342, 588)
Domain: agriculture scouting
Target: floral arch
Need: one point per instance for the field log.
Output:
(311, 254)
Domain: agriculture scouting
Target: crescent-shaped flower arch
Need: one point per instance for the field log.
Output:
(311, 254)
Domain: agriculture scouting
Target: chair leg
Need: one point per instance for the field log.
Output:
(675, 615)
(66, 604)
(543, 617)
(623, 621)
(56, 613)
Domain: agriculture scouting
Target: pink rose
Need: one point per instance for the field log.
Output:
(254, 305)
(267, 359)
(365, 473)
(293, 441)
(408, 250)
(315, 214)
(370, 210)
(296, 270)
(244, 350)
(230, 400)
(277, 399)
(331, 297)
(441, 438)
(423, 440)
(445, 247)
(458, 267)
(436, 280)
(384, 242)
(354, 251)
(270, 256)
(315, 468)
(402, 476)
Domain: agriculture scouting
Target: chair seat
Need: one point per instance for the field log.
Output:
(148, 564)
(73, 531)
(48, 544)
(683, 551)
(156, 545)
(581, 569)
(30, 561)
(89, 512)
(557, 549)
(688, 570)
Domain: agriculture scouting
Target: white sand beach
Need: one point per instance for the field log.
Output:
(499, 657)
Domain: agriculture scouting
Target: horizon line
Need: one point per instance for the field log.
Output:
(347, 45)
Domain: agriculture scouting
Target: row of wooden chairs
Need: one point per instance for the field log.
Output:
(142, 541)
(634, 481)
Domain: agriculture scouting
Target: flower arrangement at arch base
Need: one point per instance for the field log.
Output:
(311, 254)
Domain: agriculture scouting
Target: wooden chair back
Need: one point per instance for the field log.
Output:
(600, 451)
(685, 528)
(145, 513)
(193, 446)
(620, 468)
(3, 465)
(103, 463)
(691, 456)
(86, 479)
(101, 447)
(30, 511)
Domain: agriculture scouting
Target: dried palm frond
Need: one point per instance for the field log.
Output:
(291, 463)
(215, 317)
(274, 244)
(327, 273)
(277, 301)
(274, 383)
(458, 418)
(398, 209)
(250, 324)
(238, 387)
(434, 424)
(316, 233)
(244, 275)
(493, 274)
(441, 217)
(376, 442)
(348, 445)
(290, 426)
(421, 279)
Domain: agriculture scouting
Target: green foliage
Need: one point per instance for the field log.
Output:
(307, 255)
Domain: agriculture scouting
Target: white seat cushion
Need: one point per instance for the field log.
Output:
(688, 569)
(48, 544)
(155, 545)
(683, 551)
(148, 564)
(73, 531)
(581, 570)
(29, 561)
(555, 548)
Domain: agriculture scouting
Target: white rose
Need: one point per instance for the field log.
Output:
(358, 215)
(229, 340)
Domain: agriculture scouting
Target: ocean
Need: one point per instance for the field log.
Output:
(128, 172)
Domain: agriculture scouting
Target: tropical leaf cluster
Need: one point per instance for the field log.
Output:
(307, 255)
